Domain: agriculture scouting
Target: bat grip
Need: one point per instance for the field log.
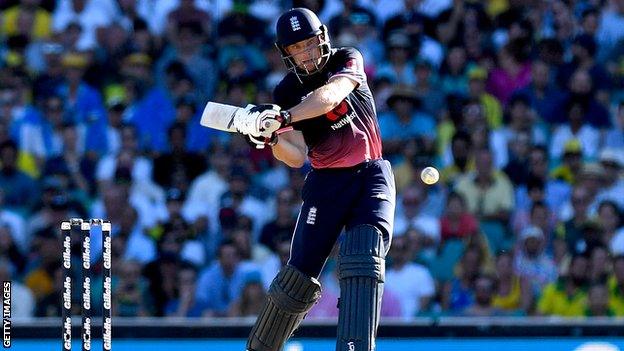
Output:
(284, 130)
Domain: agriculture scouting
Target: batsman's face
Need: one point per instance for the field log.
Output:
(306, 53)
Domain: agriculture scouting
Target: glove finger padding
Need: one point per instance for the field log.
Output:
(268, 119)
(259, 142)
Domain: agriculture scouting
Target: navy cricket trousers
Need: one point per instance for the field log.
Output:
(338, 198)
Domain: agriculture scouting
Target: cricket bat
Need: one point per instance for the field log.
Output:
(221, 117)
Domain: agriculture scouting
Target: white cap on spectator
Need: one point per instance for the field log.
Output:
(531, 232)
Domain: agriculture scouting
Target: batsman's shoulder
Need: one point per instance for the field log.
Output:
(348, 52)
(283, 91)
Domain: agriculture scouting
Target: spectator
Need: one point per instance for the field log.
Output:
(130, 293)
(428, 87)
(512, 72)
(462, 159)
(489, 196)
(484, 290)
(531, 263)
(599, 264)
(598, 302)
(476, 90)
(179, 167)
(251, 300)
(458, 294)
(571, 162)
(542, 92)
(24, 305)
(20, 190)
(30, 12)
(398, 67)
(567, 297)
(457, 223)
(578, 129)
(611, 187)
(185, 304)
(221, 283)
(410, 282)
(405, 120)
(616, 286)
(282, 227)
(512, 293)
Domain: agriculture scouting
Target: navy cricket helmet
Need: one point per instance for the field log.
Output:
(300, 24)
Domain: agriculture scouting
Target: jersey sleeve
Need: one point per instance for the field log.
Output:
(351, 66)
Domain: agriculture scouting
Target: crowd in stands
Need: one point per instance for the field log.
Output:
(518, 102)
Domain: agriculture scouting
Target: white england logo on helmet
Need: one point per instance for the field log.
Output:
(294, 23)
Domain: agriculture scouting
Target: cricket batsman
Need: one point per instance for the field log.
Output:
(328, 108)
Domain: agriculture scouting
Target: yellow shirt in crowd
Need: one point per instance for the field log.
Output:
(555, 301)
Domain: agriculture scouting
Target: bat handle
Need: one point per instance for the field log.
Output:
(284, 130)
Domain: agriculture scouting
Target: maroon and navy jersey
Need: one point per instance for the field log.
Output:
(347, 135)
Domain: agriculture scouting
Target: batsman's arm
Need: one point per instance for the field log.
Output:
(323, 99)
(291, 149)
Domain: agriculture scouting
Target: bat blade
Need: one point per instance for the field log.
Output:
(219, 116)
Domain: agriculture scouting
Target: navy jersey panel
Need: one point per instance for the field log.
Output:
(334, 199)
(347, 135)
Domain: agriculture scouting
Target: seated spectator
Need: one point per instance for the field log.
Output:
(580, 96)
(531, 262)
(476, 90)
(20, 190)
(23, 301)
(611, 218)
(599, 264)
(616, 286)
(398, 67)
(17, 260)
(542, 92)
(130, 295)
(598, 302)
(415, 203)
(513, 71)
(252, 298)
(611, 186)
(512, 292)
(577, 128)
(571, 163)
(185, 303)
(489, 195)
(458, 293)
(178, 167)
(484, 290)
(283, 226)
(570, 229)
(410, 282)
(568, 296)
(44, 261)
(614, 137)
(404, 121)
(222, 282)
(453, 72)
(462, 159)
(457, 222)
(428, 87)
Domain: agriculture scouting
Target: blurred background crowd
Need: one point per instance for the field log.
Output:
(519, 103)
